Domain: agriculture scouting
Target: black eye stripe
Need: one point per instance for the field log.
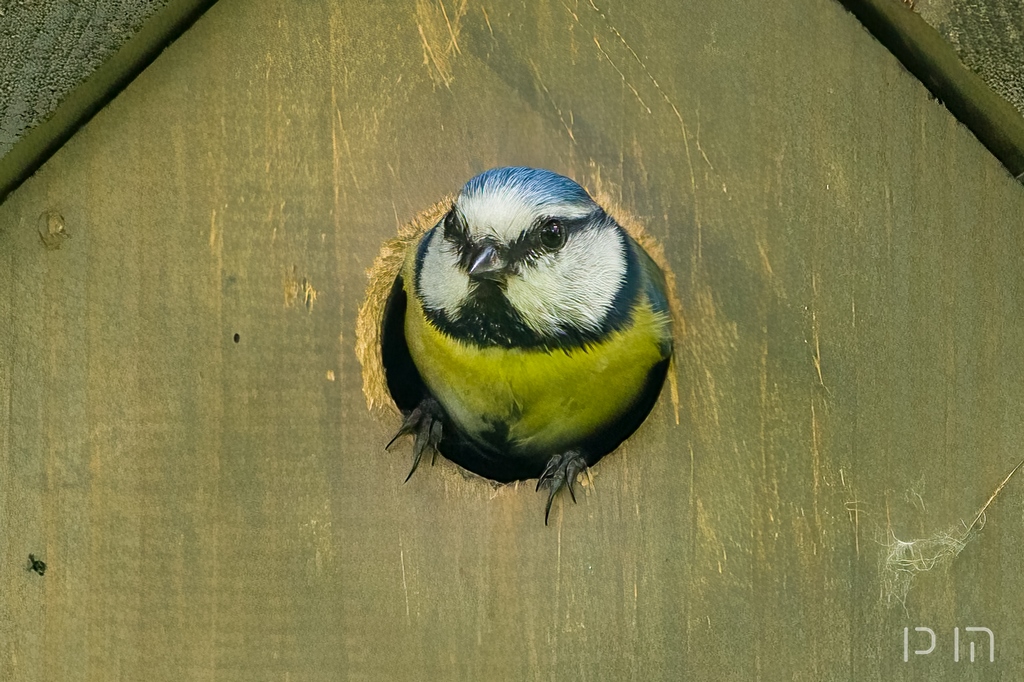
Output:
(569, 224)
(456, 232)
(528, 246)
(455, 228)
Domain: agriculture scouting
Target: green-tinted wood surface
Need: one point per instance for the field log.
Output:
(989, 37)
(60, 62)
(848, 258)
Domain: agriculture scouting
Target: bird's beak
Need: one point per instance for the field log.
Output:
(486, 263)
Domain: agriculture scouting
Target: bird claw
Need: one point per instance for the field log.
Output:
(425, 423)
(561, 472)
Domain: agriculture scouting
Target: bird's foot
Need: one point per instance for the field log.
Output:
(424, 422)
(561, 472)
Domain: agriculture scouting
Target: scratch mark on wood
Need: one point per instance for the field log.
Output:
(558, 557)
(816, 476)
(673, 389)
(854, 510)
(294, 288)
(814, 332)
(711, 540)
(999, 488)
(394, 209)
(308, 294)
(432, 24)
(487, 20)
(213, 231)
(536, 75)
(697, 136)
(445, 77)
(455, 41)
(691, 496)
(348, 149)
(762, 251)
(675, 110)
(707, 344)
(574, 15)
(815, 452)
(405, 585)
(817, 348)
(622, 76)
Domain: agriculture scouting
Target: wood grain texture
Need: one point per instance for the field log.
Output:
(989, 37)
(929, 56)
(847, 255)
(60, 63)
(49, 48)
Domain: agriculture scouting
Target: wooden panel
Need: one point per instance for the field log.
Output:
(989, 37)
(61, 62)
(967, 90)
(848, 258)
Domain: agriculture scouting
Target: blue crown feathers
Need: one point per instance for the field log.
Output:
(536, 185)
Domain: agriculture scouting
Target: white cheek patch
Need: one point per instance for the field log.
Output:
(574, 287)
(506, 212)
(442, 284)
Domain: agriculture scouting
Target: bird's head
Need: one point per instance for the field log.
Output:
(524, 258)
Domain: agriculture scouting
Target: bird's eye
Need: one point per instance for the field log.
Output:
(552, 235)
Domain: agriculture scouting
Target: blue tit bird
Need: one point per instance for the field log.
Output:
(527, 334)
